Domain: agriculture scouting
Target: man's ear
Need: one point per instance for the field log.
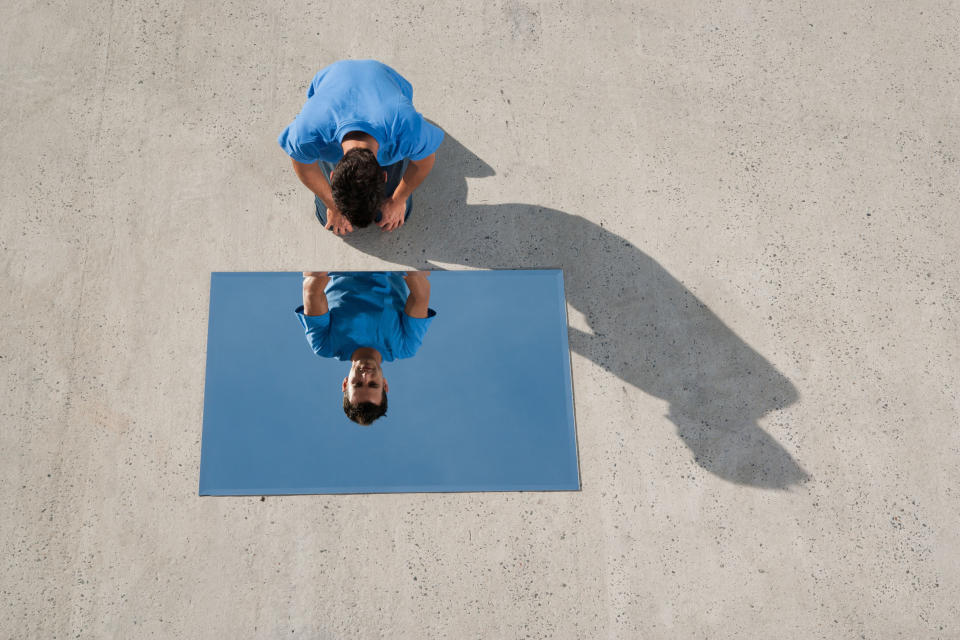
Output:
(343, 387)
(386, 387)
(384, 176)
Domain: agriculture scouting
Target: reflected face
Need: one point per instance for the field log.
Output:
(365, 382)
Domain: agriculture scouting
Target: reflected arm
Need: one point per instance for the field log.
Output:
(418, 302)
(314, 298)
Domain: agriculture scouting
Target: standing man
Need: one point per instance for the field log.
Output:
(360, 146)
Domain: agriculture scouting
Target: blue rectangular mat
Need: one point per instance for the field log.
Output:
(484, 402)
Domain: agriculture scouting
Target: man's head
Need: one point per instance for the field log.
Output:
(365, 390)
(357, 185)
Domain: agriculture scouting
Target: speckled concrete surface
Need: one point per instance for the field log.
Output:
(755, 205)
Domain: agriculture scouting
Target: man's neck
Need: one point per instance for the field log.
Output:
(366, 353)
(359, 140)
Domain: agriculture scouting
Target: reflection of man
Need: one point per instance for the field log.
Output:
(365, 318)
(359, 114)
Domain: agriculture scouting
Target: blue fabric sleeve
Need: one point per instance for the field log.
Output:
(292, 141)
(412, 331)
(317, 330)
(297, 139)
(419, 138)
(316, 80)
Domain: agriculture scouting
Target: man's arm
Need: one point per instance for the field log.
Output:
(418, 302)
(314, 298)
(395, 208)
(312, 176)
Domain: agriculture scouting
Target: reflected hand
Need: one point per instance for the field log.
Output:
(392, 214)
(338, 222)
(315, 279)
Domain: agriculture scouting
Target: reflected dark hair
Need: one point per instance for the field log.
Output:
(357, 185)
(364, 413)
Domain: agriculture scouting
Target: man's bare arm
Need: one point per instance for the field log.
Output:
(395, 208)
(314, 298)
(418, 302)
(312, 176)
(415, 174)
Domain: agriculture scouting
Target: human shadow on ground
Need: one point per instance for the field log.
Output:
(645, 326)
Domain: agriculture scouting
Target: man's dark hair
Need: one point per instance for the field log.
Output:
(357, 184)
(364, 413)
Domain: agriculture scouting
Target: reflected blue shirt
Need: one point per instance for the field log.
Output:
(359, 95)
(365, 310)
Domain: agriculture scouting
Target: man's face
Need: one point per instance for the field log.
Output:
(365, 382)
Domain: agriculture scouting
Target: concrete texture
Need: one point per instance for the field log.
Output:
(755, 206)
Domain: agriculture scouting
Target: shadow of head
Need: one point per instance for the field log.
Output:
(645, 327)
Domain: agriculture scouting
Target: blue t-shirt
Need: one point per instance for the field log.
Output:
(365, 310)
(359, 95)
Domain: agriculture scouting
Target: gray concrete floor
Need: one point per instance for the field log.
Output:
(755, 205)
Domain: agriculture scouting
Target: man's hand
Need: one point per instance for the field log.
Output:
(338, 222)
(316, 279)
(392, 214)
(417, 281)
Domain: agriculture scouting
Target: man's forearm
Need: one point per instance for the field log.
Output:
(418, 300)
(416, 307)
(314, 297)
(312, 177)
(415, 174)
